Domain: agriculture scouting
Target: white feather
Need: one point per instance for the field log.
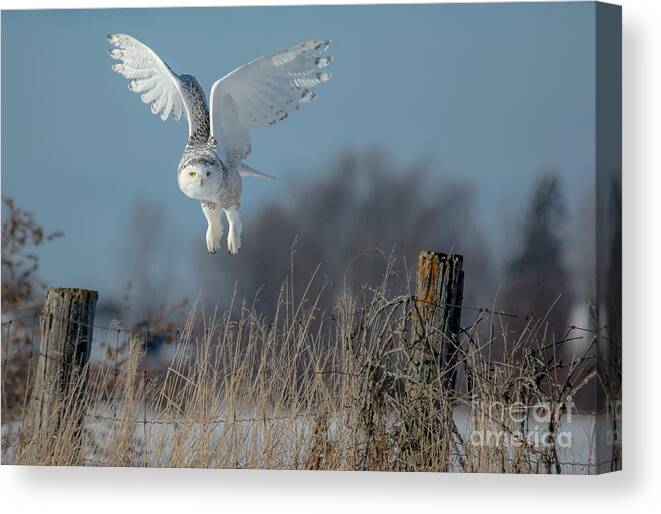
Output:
(247, 171)
(151, 77)
(263, 92)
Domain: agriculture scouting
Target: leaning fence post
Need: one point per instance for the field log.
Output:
(58, 398)
(437, 316)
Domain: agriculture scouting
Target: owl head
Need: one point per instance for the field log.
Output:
(200, 180)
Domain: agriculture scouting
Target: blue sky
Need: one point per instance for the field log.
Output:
(494, 93)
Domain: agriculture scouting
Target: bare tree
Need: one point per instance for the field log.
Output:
(348, 222)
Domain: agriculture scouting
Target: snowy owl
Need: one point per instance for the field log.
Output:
(257, 94)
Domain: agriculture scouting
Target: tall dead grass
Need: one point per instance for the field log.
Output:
(322, 390)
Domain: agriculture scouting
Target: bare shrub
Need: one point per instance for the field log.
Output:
(21, 234)
(21, 290)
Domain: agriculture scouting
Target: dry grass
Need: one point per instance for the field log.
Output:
(316, 390)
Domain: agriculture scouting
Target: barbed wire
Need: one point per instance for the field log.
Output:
(213, 421)
(175, 333)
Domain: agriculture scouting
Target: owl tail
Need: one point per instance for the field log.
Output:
(247, 171)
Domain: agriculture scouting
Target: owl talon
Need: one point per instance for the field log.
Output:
(213, 240)
(213, 248)
(233, 244)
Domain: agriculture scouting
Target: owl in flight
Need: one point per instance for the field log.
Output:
(257, 94)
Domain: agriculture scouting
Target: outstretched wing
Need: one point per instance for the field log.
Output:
(150, 76)
(263, 92)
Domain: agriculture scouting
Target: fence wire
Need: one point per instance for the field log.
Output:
(117, 333)
(479, 310)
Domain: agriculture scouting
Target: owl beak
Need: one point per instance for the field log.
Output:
(201, 182)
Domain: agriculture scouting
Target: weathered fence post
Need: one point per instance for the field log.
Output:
(437, 316)
(57, 401)
(434, 347)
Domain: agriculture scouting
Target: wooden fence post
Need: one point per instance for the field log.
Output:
(57, 401)
(437, 316)
(434, 347)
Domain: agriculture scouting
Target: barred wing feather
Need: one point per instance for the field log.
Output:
(151, 77)
(263, 92)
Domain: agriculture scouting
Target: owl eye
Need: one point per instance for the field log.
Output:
(192, 174)
(208, 173)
